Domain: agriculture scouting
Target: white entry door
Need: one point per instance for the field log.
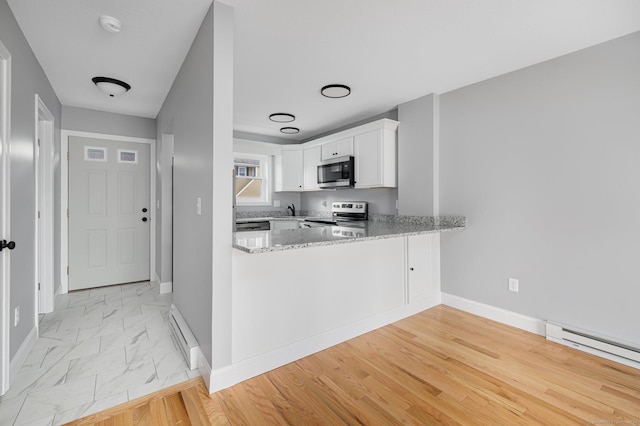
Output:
(109, 212)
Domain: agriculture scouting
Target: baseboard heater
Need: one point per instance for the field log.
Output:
(186, 340)
(624, 353)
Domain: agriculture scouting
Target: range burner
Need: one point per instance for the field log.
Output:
(344, 213)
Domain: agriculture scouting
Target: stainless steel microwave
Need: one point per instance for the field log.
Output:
(336, 173)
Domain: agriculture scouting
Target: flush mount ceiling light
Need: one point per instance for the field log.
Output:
(290, 130)
(111, 86)
(282, 117)
(110, 24)
(335, 91)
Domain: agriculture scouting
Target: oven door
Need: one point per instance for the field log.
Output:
(336, 173)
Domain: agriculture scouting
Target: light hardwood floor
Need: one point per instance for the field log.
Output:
(442, 366)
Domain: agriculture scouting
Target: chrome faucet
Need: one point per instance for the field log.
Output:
(292, 207)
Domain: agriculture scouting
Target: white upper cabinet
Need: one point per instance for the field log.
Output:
(373, 145)
(339, 148)
(375, 159)
(312, 158)
(292, 170)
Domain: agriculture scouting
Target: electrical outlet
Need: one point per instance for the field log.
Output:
(276, 203)
(199, 206)
(513, 285)
(323, 203)
(16, 316)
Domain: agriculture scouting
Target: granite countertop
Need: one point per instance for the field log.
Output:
(388, 227)
(270, 218)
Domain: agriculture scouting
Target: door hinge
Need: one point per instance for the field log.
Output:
(38, 286)
(38, 214)
(67, 212)
(38, 142)
(67, 270)
(67, 155)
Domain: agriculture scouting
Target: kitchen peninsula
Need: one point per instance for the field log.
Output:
(398, 226)
(298, 291)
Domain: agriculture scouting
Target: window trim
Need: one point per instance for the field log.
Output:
(266, 178)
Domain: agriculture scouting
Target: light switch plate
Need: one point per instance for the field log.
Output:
(513, 285)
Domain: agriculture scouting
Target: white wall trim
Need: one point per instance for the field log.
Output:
(43, 146)
(23, 352)
(514, 319)
(5, 166)
(64, 197)
(245, 369)
(204, 368)
(166, 287)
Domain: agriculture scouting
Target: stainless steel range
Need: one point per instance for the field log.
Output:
(352, 214)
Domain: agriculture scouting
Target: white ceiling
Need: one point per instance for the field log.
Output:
(72, 48)
(388, 51)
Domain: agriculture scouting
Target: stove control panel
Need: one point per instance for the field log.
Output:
(349, 207)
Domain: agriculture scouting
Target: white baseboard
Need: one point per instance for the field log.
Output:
(204, 368)
(245, 369)
(514, 319)
(166, 287)
(23, 352)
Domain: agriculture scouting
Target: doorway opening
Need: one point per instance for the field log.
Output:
(43, 154)
(123, 156)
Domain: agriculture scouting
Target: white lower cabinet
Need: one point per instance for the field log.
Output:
(277, 225)
(423, 266)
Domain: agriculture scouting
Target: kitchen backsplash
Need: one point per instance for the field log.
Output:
(381, 201)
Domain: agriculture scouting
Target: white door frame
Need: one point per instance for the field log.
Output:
(64, 198)
(44, 178)
(5, 192)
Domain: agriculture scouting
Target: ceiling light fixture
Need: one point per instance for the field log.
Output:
(111, 86)
(110, 24)
(335, 91)
(282, 117)
(290, 130)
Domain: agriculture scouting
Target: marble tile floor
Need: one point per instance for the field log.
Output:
(99, 348)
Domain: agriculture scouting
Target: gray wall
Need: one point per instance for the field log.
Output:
(27, 79)
(417, 150)
(544, 163)
(381, 200)
(89, 120)
(202, 129)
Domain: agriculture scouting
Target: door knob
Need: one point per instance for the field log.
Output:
(4, 244)
(144, 219)
(144, 210)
